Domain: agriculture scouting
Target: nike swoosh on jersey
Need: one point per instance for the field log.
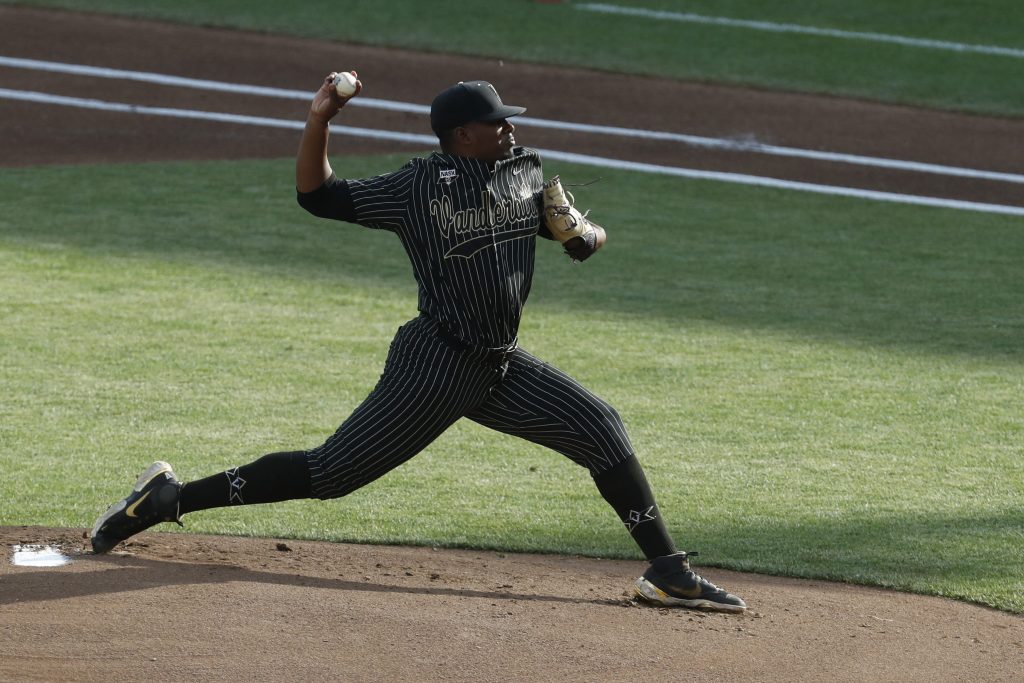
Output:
(130, 511)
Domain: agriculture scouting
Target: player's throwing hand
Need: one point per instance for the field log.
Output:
(327, 102)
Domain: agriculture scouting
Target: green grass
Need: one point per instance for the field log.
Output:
(818, 387)
(562, 34)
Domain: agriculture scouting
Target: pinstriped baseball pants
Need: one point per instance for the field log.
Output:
(427, 386)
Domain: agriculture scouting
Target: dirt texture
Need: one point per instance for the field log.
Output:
(190, 607)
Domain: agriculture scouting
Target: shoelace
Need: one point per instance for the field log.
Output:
(698, 577)
(701, 579)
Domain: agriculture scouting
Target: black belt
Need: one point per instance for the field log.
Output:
(496, 356)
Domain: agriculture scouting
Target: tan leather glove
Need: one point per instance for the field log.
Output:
(579, 236)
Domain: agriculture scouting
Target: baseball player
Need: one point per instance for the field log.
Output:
(468, 217)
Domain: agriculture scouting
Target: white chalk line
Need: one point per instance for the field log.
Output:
(603, 162)
(723, 144)
(125, 108)
(798, 28)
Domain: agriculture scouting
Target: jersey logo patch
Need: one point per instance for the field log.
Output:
(447, 175)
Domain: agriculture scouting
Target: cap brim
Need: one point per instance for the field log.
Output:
(506, 111)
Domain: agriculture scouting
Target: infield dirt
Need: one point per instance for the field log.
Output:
(189, 607)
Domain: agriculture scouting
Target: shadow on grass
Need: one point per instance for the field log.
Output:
(679, 252)
(974, 556)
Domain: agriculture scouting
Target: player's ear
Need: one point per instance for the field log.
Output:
(463, 135)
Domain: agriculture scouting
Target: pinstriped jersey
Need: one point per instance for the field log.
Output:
(469, 228)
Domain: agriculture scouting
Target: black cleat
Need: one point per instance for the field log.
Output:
(669, 581)
(153, 500)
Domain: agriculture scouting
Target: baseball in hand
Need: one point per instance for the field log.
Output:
(345, 84)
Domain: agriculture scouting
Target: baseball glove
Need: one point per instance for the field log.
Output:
(579, 236)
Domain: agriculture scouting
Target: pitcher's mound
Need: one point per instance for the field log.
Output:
(190, 607)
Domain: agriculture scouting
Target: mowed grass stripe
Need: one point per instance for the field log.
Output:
(801, 29)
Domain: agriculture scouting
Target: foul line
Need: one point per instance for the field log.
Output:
(369, 102)
(738, 178)
(808, 30)
(124, 108)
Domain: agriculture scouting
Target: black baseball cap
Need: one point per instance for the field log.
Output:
(468, 101)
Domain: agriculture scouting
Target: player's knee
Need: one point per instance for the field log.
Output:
(610, 433)
(609, 418)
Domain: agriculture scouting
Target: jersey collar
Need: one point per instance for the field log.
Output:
(475, 167)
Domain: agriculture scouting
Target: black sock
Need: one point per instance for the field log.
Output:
(625, 488)
(271, 479)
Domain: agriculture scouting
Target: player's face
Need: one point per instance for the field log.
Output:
(492, 140)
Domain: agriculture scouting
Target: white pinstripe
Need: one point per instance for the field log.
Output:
(474, 273)
(480, 298)
(427, 386)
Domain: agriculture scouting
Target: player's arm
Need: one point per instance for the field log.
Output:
(312, 168)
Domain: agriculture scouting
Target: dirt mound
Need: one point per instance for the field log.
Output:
(190, 607)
